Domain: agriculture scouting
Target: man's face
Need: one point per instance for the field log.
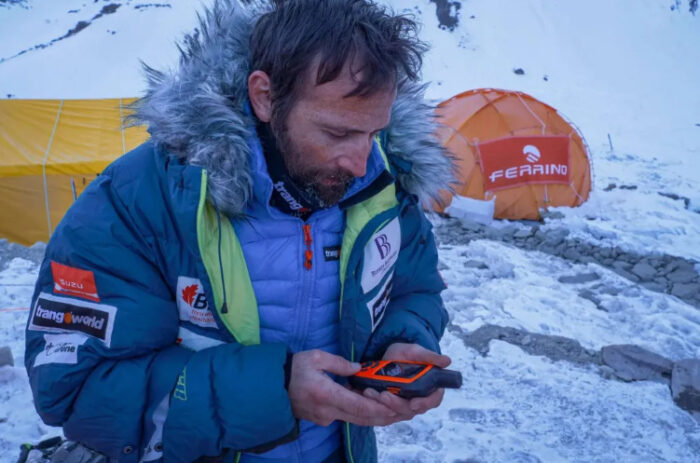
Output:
(326, 138)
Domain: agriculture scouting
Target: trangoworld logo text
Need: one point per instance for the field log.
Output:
(56, 314)
(293, 203)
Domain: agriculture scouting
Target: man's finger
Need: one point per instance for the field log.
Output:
(423, 404)
(421, 354)
(334, 364)
(392, 401)
(416, 353)
(355, 404)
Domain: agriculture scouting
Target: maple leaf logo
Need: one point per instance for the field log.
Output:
(189, 293)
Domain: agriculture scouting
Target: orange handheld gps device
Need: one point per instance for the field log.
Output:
(404, 378)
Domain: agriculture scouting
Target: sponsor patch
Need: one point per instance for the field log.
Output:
(60, 348)
(180, 391)
(514, 161)
(63, 315)
(192, 302)
(194, 341)
(331, 253)
(74, 281)
(377, 306)
(381, 253)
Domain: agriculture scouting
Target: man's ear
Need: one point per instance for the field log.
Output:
(260, 95)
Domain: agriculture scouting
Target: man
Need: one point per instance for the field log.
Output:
(209, 293)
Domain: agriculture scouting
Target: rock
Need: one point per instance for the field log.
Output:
(476, 264)
(554, 215)
(518, 71)
(626, 274)
(580, 278)
(611, 290)
(633, 363)
(654, 286)
(554, 237)
(620, 264)
(685, 384)
(682, 276)
(610, 187)
(628, 187)
(553, 347)
(6, 357)
(644, 271)
(607, 252)
(591, 296)
(524, 233)
(571, 254)
(686, 291)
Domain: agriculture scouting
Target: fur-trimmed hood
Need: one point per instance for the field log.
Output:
(198, 112)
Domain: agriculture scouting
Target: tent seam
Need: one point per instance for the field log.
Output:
(43, 167)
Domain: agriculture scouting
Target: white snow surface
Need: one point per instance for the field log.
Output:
(627, 69)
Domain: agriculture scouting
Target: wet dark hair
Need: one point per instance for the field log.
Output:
(288, 39)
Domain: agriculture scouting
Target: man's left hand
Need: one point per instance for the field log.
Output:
(407, 409)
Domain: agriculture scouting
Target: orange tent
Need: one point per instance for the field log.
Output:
(517, 149)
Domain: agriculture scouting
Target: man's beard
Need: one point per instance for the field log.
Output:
(325, 186)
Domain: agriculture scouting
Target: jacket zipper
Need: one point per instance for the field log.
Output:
(224, 307)
(308, 254)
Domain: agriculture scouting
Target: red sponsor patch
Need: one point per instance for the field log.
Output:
(515, 161)
(189, 293)
(74, 281)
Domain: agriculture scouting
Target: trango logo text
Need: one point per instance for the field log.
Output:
(59, 314)
(293, 203)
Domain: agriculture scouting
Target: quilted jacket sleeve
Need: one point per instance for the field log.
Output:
(101, 349)
(415, 313)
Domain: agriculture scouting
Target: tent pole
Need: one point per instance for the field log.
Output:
(121, 117)
(527, 106)
(43, 167)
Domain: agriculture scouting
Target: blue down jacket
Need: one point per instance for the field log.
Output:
(148, 341)
(116, 264)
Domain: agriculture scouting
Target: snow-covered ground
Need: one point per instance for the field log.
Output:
(627, 69)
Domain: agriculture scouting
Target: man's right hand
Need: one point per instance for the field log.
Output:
(317, 398)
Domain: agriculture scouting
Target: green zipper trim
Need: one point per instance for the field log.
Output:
(238, 457)
(223, 257)
(357, 218)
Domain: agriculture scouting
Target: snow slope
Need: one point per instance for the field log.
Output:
(626, 68)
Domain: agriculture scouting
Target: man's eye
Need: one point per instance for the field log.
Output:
(337, 135)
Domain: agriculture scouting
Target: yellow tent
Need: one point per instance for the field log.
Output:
(50, 150)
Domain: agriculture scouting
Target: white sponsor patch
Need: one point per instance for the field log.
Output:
(60, 348)
(377, 306)
(194, 341)
(57, 314)
(381, 253)
(192, 302)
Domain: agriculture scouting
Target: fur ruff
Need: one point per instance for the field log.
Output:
(197, 112)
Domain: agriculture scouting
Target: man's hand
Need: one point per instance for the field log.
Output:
(407, 409)
(317, 398)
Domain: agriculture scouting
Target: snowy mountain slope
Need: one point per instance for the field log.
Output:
(625, 68)
(99, 61)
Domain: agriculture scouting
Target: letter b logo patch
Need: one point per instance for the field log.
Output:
(383, 246)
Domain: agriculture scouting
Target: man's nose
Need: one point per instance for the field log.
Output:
(354, 160)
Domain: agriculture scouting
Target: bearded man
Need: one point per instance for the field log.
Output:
(206, 298)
